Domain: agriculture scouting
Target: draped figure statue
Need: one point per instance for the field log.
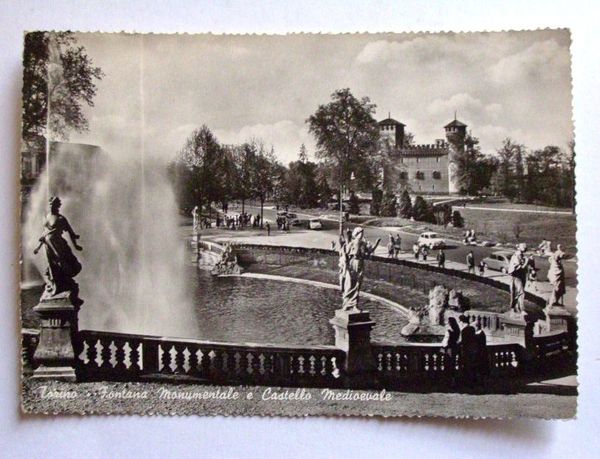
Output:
(353, 251)
(517, 268)
(63, 265)
(556, 276)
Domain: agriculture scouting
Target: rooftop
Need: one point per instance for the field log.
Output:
(455, 123)
(390, 121)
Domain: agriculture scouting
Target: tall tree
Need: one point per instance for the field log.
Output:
(73, 75)
(264, 176)
(505, 174)
(405, 209)
(347, 137)
(473, 168)
(389, 205)
(201, 156)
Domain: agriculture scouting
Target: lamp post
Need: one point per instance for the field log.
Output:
(341, 203)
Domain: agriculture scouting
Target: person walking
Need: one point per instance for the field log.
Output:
(441, 259)
(471, 262)
(390, 247)
(268, 226)
(416, 250)
(397, 246)
(424, 252)
(482, 267)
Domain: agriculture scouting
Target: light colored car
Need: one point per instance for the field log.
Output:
(431, 240)
(315, 224)
(498, 261)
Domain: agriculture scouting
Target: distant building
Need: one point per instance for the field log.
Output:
(424, 168)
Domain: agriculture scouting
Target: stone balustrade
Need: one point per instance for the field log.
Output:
(124, 357)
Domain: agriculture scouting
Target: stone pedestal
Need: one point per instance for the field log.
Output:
(353, 336)
(519, 326)
(557, 318)
(54, 355)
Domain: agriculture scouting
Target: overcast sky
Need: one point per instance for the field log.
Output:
(515, 84)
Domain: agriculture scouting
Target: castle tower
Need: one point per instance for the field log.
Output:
(455, 135)
(393, 131)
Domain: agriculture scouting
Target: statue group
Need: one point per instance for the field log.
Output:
(353, 251)
(518, 268)
(62, 264)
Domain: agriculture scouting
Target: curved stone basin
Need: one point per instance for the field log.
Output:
(240, 309)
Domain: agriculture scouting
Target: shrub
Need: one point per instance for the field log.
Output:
(422, 211)
(457, 219)
(388, 206)
(405, 205)
(377, 196)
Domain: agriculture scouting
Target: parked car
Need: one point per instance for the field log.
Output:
(431, 240)
(315, 224)
(498, 261)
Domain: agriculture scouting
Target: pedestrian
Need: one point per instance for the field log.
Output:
(468, 351)
(450, 349)
(482, 267)
(471, 262)
(390, 247)
(424, 252)
(268, 225)
(441, 259)
(416, 251)
(397, 246)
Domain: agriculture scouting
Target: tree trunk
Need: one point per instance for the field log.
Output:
(262, 203)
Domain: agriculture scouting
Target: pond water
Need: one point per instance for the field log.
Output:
(242, 309)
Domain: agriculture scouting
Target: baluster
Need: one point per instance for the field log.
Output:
(186, 360)
(311, 368)
(127, 355)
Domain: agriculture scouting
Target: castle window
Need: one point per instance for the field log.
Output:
(437, 175)
(419, 175)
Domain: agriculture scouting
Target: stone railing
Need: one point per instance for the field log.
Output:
(488, 321)
(124, 357)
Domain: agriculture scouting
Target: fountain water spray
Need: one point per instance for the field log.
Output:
(133, 277)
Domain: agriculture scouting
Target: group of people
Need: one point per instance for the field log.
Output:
(466, 359)
(283, 224)
(238, 221)
(394, 246)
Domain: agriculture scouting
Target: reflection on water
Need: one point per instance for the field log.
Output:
(234, 309)
(268, 311)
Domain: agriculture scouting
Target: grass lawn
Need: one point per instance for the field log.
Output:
(504, 227)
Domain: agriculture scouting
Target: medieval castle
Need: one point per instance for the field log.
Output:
(427, 168)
